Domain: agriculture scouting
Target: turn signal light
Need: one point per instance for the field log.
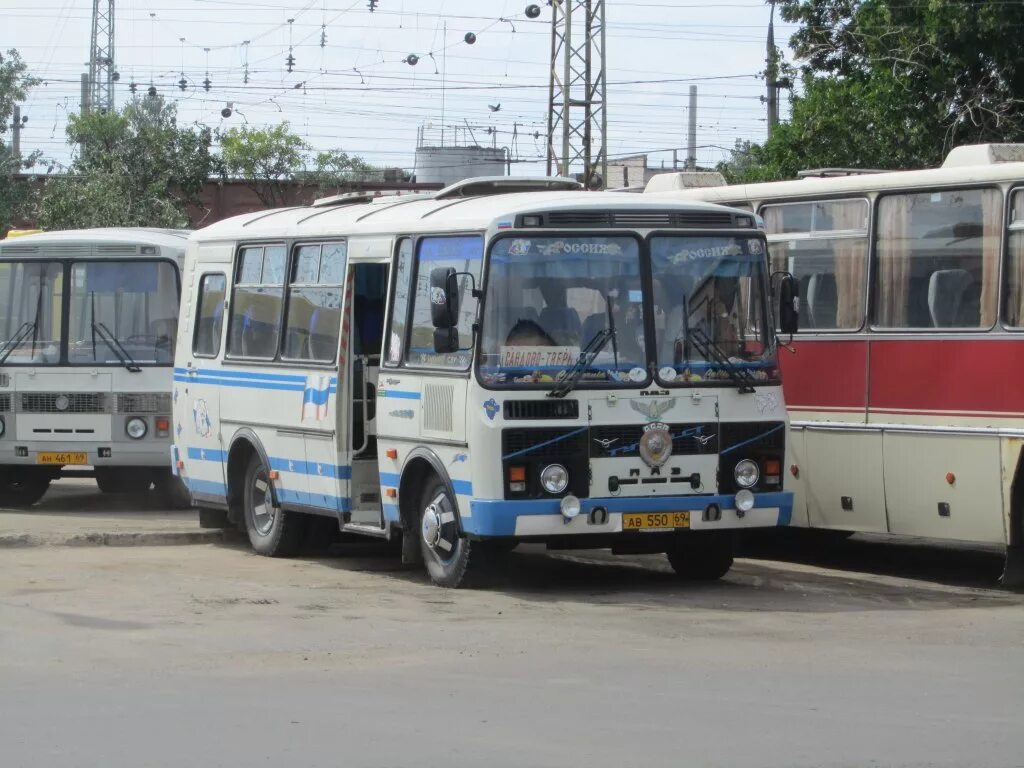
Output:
(391, 453)
(517, 474)
(273, 474)
(391, 492)
(163, 426)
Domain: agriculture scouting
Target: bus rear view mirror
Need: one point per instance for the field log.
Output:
(446, 340)
(444, 298)
(789, 304)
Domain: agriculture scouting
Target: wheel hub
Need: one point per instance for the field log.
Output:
(264, 510)
(431, 526)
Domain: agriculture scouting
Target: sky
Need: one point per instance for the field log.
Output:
(352, 88)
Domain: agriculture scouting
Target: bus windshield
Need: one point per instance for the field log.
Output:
(709, 313)
(548, 298)
(30, 312)
(122, 312)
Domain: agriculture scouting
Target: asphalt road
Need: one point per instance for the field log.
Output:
(208, 655)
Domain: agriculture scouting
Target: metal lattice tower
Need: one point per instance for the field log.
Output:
(101, 57)
(577, 111)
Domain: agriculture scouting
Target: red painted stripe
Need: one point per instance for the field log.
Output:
(827, 374)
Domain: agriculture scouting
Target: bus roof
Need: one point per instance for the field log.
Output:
(956, 171)
(93, 242)
(423, 213)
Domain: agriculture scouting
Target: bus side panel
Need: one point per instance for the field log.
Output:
(945, 486)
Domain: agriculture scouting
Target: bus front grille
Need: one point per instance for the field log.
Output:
(77, 402)
(144, 402)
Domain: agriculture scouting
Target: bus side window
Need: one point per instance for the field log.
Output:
(255, 324)
(399, 304)
(1013, 310)
(314, 302)
(209, 315)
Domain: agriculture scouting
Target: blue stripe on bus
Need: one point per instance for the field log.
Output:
(207, 454)
(228, 373)
(293, 466)
(398, 394)
(248, 384)
(207, 487)
(317, 500)
(316, 396)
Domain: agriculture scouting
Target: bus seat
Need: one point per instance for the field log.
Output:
(946, 290)
(562, 324)
(822, 300)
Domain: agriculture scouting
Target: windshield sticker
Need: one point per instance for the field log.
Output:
(635, 297)
(755, 247)
(559, 247)
(637, 374)
(519, 248)
(714, 252)
(538, 357)
(667, 373)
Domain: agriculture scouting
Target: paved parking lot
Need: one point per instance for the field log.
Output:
(209, 655)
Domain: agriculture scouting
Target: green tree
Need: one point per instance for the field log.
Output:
(894, 84)
(279, 165)
(15, 197)
(136, 167)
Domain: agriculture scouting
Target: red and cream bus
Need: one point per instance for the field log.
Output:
(906, 389)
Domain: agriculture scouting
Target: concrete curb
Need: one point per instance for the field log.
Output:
(120, 539)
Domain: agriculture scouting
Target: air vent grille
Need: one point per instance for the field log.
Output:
(646, 219)
(541, 409)
(437, 407)
(5, 403)
(544, 443)
(77, 402)
(144, 402)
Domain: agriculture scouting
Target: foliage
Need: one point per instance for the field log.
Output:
(277, 164)
(137, 167)
(893, 84)
(15, 198)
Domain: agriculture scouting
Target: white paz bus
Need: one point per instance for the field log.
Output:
(88, 321)
(905, 389)
(505, 360)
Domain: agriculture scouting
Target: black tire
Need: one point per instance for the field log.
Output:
(702, 556)
(172, 490)
(447, 554)
(272, 531)
(126, 480)
(21, 487)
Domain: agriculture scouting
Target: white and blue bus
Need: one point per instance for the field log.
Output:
(88, 320)
(505, 360)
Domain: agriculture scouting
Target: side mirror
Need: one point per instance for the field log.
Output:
(444, 297)
(789, 304)
(446, 340)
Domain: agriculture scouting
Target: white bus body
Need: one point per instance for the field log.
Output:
(466, 450)
(905, 397)
(88, 320)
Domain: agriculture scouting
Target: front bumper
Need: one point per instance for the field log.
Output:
(151, 453)
(542, 517)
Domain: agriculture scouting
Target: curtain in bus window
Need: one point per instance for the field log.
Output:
(992, 222)
(894, 247)
(1014, 313)
(850, 263)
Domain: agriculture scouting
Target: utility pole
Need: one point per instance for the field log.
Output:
(771, 74)
(691, 135)
(577, 109)
(16, 135)
(102, 74)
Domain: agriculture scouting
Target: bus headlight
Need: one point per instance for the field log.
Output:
(747, 473)
(136, 428)
(569, 507)
(554, 478)
(744, 501)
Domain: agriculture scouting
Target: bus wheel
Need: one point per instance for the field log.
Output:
(172, 490)
(134, 480)
(272, 531)
(703, 556)
(445, 553)
(22, 486)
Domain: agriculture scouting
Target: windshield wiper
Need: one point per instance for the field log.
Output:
(587, 354)
(111, 341)
(712, 352)
(15, 341)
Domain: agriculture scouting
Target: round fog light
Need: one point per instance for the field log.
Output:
(747, 473)
(570, 507)
(554, 478)
(136, 428)
(744, 501)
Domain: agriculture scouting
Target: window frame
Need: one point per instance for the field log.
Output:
(392, 289)
(198, 316)
(410, 310)
(1004, 261)
(873, 266)
(236, 265)
(838, 234)
(290, 264)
